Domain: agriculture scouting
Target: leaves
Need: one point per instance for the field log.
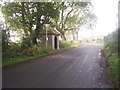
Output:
(30, 17)
(111, 42)
(74, 14)
(25, 15)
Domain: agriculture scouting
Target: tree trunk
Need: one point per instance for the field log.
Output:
(63, 36)
(73, 34)
(34, 40)
(38, 25)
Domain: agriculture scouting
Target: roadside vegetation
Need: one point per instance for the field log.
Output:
(69, 44)
(24, 22)
(34, 52)
(111, 50)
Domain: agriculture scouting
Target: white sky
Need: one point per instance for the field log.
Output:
(106, 12)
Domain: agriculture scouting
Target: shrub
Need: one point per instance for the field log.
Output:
(68, 44)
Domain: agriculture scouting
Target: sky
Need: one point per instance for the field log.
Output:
(106, 12)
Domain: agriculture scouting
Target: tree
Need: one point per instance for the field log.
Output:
(112, 41)
(73, 24)
(30, 17)
(71, 11)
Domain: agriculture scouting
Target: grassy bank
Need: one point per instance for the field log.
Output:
(113, 62)
(35, 52)
(24, 58)
(65, 45)
(112, 51)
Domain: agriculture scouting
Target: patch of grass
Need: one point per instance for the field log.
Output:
(24, 58)
(34, 52)
(113, 62)
(113, 65)
(69, 44)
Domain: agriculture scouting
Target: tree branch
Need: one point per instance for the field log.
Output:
(67, 16)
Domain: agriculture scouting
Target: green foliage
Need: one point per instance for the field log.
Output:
(19, 55)
(113, 62)
(111, 50)
(74, 15)
(26, 43)
(5, 41)
(73, 20)
(111, 42)
(69, 44)
(29, 17)
(12, 51)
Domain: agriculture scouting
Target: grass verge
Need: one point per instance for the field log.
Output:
(21, 59)
(44, 52)
(113, 62)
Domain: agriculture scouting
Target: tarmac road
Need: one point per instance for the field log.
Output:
(81, 67)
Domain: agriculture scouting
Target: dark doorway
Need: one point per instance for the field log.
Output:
(55, 42)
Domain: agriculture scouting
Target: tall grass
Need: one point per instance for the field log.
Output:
(16, 55)
(30, 53)
(69, 44)
(111, 51)
(114, 62)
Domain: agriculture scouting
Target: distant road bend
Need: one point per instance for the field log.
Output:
(81, 67)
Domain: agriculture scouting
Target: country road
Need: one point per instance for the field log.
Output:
(81, 67)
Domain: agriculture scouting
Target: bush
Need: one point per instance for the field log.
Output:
(111, 50)
(16, 53)
(69, 44)
(35, 51)
(111, 42)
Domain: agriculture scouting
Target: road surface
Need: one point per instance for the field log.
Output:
(81, 67)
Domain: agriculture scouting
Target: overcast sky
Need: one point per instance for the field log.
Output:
(106, 12)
